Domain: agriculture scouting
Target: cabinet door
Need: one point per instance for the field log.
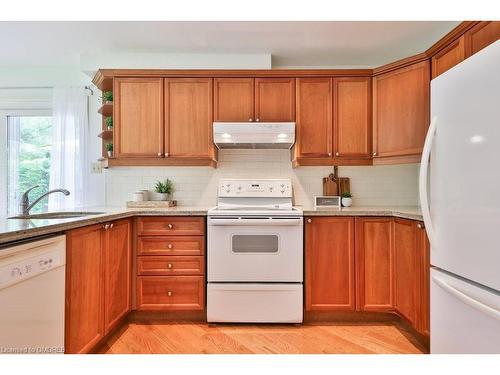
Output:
(352, 117)
(233, 99)
(314, 118)
(275, 99)
(374, 256)
(84, 297)
(481, 36)
(138, 117)
(448, 57)
(406, 269)
(329, 264)
(423, 247)
(401, 111)
(188, 118)
(117, 272)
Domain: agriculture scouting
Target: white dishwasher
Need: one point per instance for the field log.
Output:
(32, 280)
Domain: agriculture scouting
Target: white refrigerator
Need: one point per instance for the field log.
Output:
(460, 199)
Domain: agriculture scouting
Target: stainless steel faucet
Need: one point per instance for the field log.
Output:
(25, 205)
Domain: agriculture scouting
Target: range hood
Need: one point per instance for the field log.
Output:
(244, 135)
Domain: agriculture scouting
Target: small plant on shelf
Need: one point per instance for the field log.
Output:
(109, 149)
(346, 199)
(107, 96)
(163, 190)
(109, 122)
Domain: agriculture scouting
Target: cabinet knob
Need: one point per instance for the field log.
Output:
(106, 226)
(250, 119)
(170, 226)
(374, 154)
(111, 225)
(159, 154)
(166, 154)
(337, 154)
(257, 119)
(170, 265)
(420, 226)
(309, 221)
(329, 154)
(170, 246)
(169, 293)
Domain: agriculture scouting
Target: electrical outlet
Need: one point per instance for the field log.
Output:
(95, 167)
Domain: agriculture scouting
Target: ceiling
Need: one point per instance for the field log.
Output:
(291, 44)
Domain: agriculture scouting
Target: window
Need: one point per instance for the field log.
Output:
(28, 141)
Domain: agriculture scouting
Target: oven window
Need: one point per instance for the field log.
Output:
(255, 243)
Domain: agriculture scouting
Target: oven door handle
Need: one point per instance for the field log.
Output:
(256, 222)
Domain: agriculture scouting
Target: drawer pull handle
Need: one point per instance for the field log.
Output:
(170, 265)
(170, 246)
(170, 226)
(169, 293)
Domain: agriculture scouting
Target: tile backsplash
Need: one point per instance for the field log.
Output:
(391, 185)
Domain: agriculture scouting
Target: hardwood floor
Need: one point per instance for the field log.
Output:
(310, 338)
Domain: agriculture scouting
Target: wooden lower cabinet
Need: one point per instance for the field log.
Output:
(170, 292)
(84, 324)
(424, 248)
(98, 272)
(329, 251)
(374, 258)
(170, 263)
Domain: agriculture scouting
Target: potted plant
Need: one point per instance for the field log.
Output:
(109, 149)
(107, 97)
(346, 199)
(163, 190)
(109, 122)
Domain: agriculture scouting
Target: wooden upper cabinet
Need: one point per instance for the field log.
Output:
(352, 117)
(138, 115)
(481, 36)
(314, 118)
(374, 259)
(401, 101)
(329, 273)
(188, 118)
(275, 99)
(448, 57)
(233, 99)
(117, 272)
(84, 316)
(406, 259)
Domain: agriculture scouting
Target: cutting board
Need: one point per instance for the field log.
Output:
(344, 184)
(330, 186)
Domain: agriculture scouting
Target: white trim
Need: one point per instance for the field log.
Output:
(3, 147)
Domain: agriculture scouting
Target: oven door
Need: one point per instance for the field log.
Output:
(255, 249)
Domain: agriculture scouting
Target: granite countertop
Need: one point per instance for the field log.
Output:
(19, 229)
(404, 212)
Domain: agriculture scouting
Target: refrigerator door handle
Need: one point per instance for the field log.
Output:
(422, 181)
(488, 310)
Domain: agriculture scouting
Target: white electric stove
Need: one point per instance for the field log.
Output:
(255, 253)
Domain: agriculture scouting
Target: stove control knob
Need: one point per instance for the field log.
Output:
(271, 188)
(239, 187)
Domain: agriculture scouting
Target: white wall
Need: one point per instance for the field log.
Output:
(371, 185)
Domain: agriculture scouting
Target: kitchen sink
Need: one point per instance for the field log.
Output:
(56, 215)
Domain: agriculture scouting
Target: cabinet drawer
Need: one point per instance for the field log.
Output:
(170, 265)
(171, 226)
(174, 245)
(170, 292)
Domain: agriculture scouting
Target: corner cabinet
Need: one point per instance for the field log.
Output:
(448, 57)
(401, 101)
(98, 279)
(329, 252)
(138, 117)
